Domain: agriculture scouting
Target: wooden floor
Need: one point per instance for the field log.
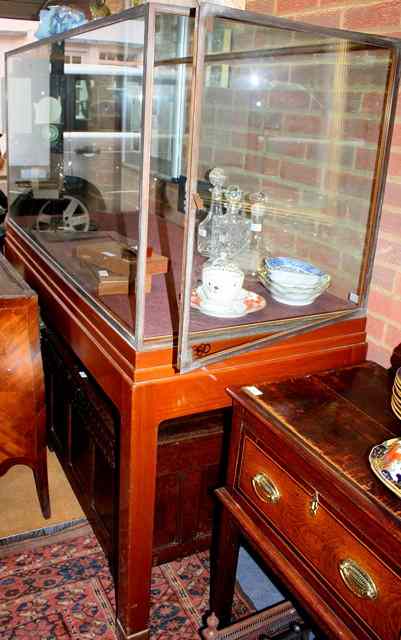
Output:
(19, 505)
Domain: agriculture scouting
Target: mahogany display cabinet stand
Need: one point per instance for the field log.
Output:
(146, 394)
(301, 492)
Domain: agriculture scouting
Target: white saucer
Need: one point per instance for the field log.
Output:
(247, 302)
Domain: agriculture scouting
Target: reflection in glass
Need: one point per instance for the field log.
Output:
(296, 116)
(75, 159)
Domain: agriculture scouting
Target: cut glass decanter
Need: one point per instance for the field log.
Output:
(251, 258)
(230, 231)
(217, 178)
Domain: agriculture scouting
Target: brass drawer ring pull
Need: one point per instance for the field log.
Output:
(264, 488)
(357, 580)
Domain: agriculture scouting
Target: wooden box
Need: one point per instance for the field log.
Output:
(118, 264)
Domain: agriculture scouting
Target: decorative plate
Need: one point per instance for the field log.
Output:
(248, 302)
(293, 265)
(385, 462)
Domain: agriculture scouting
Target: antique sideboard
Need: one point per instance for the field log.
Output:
(300, 490)
(22, 413)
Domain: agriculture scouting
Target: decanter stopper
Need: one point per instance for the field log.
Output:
(234, 197)
(258, 203)
(217, 178)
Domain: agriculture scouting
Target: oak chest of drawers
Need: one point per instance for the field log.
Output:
(300, 490)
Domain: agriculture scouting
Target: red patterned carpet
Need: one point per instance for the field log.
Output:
(59, 587)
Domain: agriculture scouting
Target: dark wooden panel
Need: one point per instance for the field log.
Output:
(84, 426)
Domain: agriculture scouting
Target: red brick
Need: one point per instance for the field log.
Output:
(228, 158)
(293, 6)
(323, 255)
(322, 18)
(384, 304)
(375, 328)
(370, 76)
(271, 166)
(330, 3)
(351, 266)
(391, 222)
(348, 238)
(396, 139)
(394, 166)
(392, 335)
(294, 149)
(279, 191)
(397, 286)
(303, 248)
(261, 6)
(361, 129)
(289, 99)
(271, 122)
(392, 194)
(388, 251)
(313, 75)
(251, 141)
(296, 172)
(365, 159)
(324, 152)
(304, 124)
(378, 354)
(283, 238)
(350, 103)
(373, 16)
(219, 95)
(383, 277)
(348, 183)
(372, 103)
(254, 163)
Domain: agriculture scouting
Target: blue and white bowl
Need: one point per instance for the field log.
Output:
(293, 272)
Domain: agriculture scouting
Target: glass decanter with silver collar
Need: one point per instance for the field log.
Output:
(230, 231)
(217, 178)
(251, 258)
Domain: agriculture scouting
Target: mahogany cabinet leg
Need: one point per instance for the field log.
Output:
(42, 484)
(224, 560)
(138, 458)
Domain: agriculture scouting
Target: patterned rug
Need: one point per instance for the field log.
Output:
(58, 587)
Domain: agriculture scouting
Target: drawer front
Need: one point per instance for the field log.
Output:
(357, 575)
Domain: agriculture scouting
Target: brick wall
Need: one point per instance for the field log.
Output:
(384, 17)
(303, 128)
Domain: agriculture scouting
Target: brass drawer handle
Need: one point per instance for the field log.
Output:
(265, 489)
(357, 580)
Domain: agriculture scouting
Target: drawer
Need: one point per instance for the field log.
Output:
(323, 541)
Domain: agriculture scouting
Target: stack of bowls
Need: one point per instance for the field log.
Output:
(292, 281)
(396, 395)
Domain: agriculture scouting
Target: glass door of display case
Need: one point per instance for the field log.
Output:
(290, 131)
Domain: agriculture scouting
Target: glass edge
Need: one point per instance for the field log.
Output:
(92, 25)
(122, 331)
(260, 19)
(189, 364)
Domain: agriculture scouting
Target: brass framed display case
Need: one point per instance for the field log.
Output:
(283, 130)
(195, 195)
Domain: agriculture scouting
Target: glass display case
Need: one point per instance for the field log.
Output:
(204, 175)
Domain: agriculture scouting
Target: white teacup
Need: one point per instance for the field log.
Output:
(221, 282)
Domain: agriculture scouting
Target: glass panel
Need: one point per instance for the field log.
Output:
(75, 156)
(288, 143)
(170, 124)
